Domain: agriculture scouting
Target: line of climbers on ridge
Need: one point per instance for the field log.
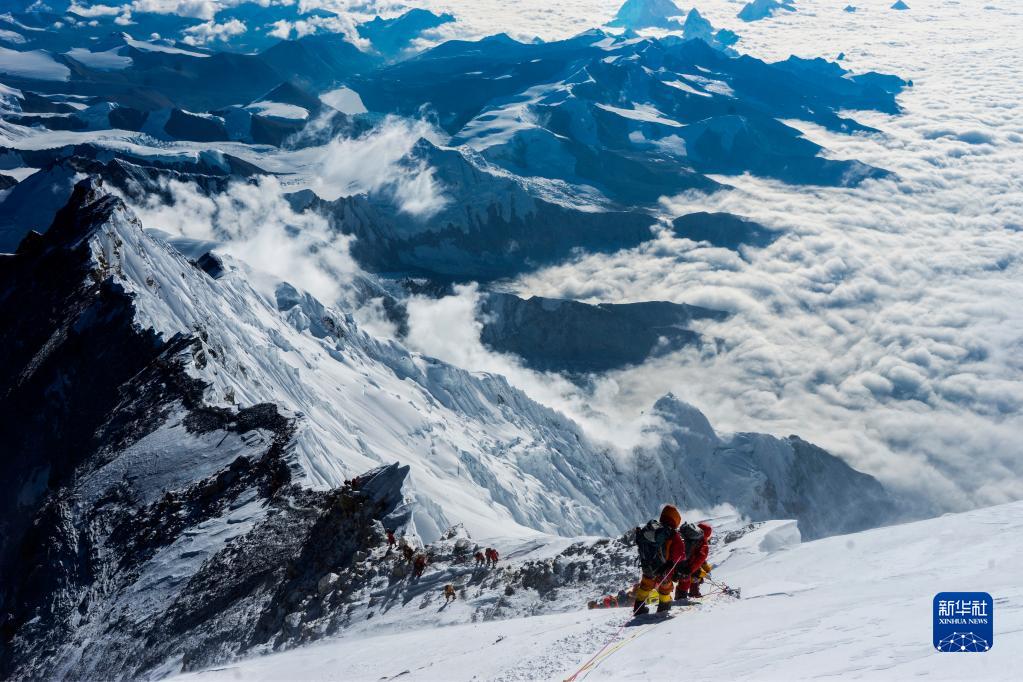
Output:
(486, 558)
(672, 557)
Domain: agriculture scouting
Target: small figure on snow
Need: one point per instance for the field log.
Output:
(419, 565)
(449, 593)
(480, 559)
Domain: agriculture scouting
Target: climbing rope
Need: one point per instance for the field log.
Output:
(590, 663)
(725, 589)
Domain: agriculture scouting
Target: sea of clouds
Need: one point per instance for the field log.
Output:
(885, 325)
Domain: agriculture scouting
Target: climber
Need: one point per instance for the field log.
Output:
(661, 551)
(449, 593)
(697, 539)
(407, 552)
(391, 542)
(493, 558)
(480, 559)
(419, 565)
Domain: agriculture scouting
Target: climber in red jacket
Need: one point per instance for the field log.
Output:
(697, 549)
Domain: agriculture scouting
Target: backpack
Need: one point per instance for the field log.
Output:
(693, 537)
(650, 540)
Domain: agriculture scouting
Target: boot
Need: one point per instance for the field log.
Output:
(694, 591)
(640, 608)
(664, 607)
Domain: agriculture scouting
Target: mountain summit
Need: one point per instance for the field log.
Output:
(637, 14)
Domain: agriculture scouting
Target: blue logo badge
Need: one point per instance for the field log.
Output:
(963, 621)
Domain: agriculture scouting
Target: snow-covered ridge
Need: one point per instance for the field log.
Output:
(361, 401)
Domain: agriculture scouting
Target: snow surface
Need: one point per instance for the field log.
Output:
(641, 112)
(32, 64)
(855, 606)
(345, 100)
(291, 112)
(685, 87)
(108, 60)
(11, 37)
(146, 46)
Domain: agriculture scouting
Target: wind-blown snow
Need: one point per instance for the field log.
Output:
(11, 37)
(641, 112)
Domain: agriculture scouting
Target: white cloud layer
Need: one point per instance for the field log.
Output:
(377, 162)
(211, 31)
(449, 329)
(254, 223)
(886, 326)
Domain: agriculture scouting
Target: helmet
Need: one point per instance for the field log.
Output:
(670, 516)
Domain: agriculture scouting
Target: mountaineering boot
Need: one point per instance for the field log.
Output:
(694, 591)
(664, 607)
(640, 608)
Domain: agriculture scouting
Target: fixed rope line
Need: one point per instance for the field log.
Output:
(617, 632)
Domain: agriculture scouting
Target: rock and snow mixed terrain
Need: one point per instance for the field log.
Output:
(854, 606)
(263, 296)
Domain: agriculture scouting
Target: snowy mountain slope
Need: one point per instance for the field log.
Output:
(762, 9)
(223, 408)
(140, 357)
(490, 225)
(853, 606)
(365, 402)
(639, 119)
(762, 476)
(637, 14)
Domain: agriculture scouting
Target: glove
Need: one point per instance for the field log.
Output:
(704, 571)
